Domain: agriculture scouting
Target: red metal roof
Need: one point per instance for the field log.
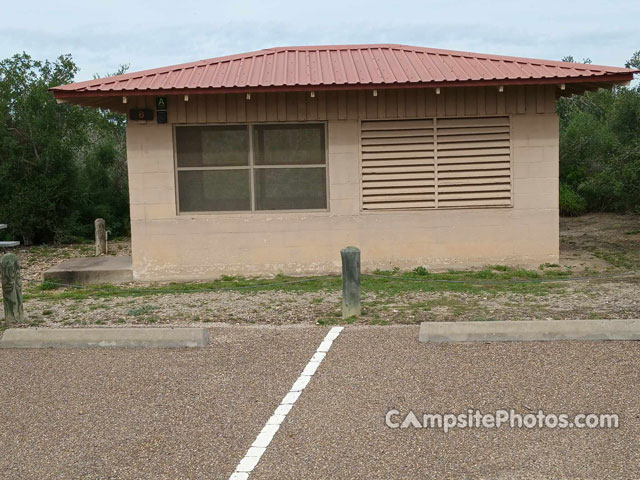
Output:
(343, 66)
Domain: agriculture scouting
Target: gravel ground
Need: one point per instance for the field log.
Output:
(337, 430)
(597, 243)
(620, 299)
(269, 307)
(145, 414)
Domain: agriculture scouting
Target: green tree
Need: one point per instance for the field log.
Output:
(569, 58)
(103, 171)
(37, 138)
(60, 165)
(634, 61)
(600, 150)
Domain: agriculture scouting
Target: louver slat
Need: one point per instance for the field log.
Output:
(397, 134)
(398, 167)
(396, 141)
(402, 178)
(443, 190)
(470, 131)
(398, 155)
(476, 203)
(491, 175)
(478, 180)
(443, 162)
(469, 157)
(470, 166)
(392, 163)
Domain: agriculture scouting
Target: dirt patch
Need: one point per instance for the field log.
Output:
(600, 241)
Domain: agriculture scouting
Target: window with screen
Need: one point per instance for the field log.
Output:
(243, 168)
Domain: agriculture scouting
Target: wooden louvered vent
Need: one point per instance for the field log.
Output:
(439, 163)
(398, 166)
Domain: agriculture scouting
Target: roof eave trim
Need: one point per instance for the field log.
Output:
(607, 78)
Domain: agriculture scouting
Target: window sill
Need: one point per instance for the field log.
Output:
(244, 213)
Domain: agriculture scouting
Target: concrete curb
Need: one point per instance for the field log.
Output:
(104, 337)
(537, 330)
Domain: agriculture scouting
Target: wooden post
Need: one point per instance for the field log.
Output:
(350, 282)
(11, 289)
(101, 236)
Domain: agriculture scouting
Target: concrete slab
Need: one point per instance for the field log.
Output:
(92, 270)
(104, 337)
(514, 331)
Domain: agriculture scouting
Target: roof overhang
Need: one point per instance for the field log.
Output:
(341, 68)
(591, 82)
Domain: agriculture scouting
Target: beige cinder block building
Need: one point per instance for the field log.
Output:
(272, 161)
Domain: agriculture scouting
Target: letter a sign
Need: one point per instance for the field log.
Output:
(161, 103)
(161, 107)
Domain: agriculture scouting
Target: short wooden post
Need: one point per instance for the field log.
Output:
(101, 236)
(11, 289)
(350, 282)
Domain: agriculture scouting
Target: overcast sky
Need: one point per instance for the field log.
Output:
(103, 34)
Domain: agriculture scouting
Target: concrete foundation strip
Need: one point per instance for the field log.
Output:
(262, 441)
(537, 330)
(104, 337)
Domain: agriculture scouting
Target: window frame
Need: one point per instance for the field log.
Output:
(251, 166)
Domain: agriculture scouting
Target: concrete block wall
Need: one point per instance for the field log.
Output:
(171, 246)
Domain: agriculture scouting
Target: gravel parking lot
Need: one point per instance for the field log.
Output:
(144, 414)
(337, 429)
(192, 414)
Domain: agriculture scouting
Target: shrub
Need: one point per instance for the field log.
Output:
(421, 271)
(48, 285)
(571, 204)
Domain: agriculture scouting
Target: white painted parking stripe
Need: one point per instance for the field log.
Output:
(262, 441)
(325, 346)
(239, 476)
(311, 368)
(255, 451)
(276, 419)
(290, 398)
(282, 410)
(301, 383)
(317, 357)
